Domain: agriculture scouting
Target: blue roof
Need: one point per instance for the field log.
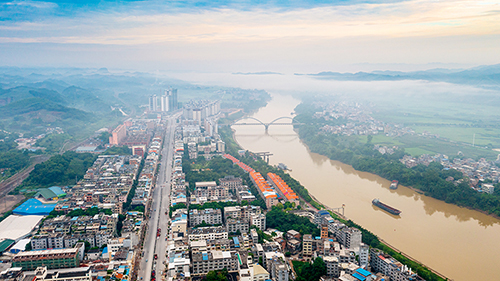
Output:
(317, 237)
(34, 207)
(323, 212)
(57, 190)
(363, 272)
(236, 241)
(358, 276)
(205, 256)
(105, 250)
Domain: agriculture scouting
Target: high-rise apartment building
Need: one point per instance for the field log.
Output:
(166, 102)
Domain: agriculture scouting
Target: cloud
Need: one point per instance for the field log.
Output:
(34, 4)
(362, 31)
(400, 19)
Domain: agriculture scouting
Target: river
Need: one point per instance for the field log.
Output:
(459, 243)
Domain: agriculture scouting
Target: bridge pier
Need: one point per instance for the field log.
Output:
(264, 155)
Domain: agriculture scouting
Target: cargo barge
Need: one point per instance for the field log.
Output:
(394, 184)
(385, 207)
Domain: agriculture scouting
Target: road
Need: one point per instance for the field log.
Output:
(160, 205)
(11, 183)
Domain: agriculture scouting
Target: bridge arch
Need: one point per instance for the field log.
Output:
(279, 118)
(249, 117)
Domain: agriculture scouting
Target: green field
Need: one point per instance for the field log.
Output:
(484, 136)
(417, 151)
(417, 145)
(454, 113)
(381, 139)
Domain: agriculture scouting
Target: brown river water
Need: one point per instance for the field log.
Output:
(461, 244)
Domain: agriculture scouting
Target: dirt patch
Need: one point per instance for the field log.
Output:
(8, 202)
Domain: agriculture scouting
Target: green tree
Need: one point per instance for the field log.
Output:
(217, 275)
(310, 271)
(104, 137)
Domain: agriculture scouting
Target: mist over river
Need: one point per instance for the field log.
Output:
(461, 244)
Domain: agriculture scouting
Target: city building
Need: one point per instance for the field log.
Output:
(231, 182)
(283, 189)
(254, 236)
(67, 274)
(265, 190)
(258, 273)
(387, 265)
(208, 233)
(165, 103)
(118, 134)
(204, 262)
(237, 225)
(259, 221)
(349, 237)
(208, 216)
(332, 266)
(307, 245)
(47, 241)
(279, 269)
(52, 259)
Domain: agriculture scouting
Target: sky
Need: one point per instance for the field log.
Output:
(294, 36)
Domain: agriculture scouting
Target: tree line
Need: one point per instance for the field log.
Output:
(63, 169)
(11, 158)
(283, 221)
(432, 179)
(309, 271)
(201, 170)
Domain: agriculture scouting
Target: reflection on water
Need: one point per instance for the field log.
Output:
(429, 230)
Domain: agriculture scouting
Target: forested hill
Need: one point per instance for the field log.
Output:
(65, 169)
(483, 75)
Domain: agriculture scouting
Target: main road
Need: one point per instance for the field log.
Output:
(159, 210)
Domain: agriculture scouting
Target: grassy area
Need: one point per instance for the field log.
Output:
(416, 144)
(381, 139)
(484, 136)
(453, 113)
(417, 151)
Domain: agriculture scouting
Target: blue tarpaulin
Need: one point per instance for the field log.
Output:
(34, 207)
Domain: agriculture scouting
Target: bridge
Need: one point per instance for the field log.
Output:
(266, 125)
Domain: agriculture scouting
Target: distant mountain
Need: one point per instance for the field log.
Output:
(258, 73)
(51, 84)
(84, 99)
(34, 105)
(32, 99)
(479, 76)
(26, 92)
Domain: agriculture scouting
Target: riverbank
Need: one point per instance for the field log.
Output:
(422, 270)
